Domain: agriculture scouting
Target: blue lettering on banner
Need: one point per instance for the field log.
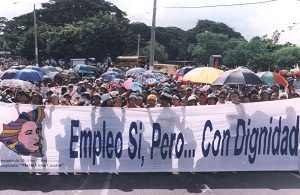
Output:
(92, 144)
(253, 141)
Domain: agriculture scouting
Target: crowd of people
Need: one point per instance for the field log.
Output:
(103, 93)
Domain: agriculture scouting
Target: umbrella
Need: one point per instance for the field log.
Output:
(55, 76)
(116, 70)
(134, 72)
(29, 75)
(151, 77)
(182, 71)
(48, 69)
(70, 74)
(203, 75)
(271, 78)
(20, 67)
(283, 72)
(9, 74)
(35, 68)
(82, 68)
(110, 75)
(24, 85)
(238, 76)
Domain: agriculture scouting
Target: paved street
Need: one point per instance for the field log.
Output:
(152, 183)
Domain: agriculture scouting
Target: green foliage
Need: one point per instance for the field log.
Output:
(159, 52)
(97, 28)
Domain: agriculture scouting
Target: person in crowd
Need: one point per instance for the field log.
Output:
(189, 92)
(264, 95)
(96, 100)
(221, 97)
(234, 97)
(131, 101)
(68, 98)
(275, 89)
(274, 96)
(211, 99)
(139, 101)
(165, 100)
(117, 102)
(296, 95)
(290, 88)
(54, 100)
(106, 100)
(36, 99)
(25, 98)
(254, 98)
(72, 92)
(283, 96)
(245, 99)
(192, 101)
(48, 98)
(176, 100)
(151, 101)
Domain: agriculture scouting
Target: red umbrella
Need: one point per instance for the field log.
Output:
(271, 78)
(283, 72)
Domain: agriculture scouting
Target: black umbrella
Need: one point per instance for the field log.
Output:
(238, 76)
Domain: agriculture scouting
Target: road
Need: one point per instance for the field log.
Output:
(152, 183)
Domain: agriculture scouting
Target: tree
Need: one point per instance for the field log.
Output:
(287, 57)
(160, 54)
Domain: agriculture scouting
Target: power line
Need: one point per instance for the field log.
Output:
(221, 5)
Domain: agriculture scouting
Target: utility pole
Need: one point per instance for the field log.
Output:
(152, 44)
(36, 52)
(138, 48)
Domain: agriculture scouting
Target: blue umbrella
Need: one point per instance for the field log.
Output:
(9, 74)
(134, 71)
(49, 69)
(110, 75)
(36, 68)
(82, 68)
(29, 75)
(19, 67)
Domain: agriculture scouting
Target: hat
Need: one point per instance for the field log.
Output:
(80, 82)
(211, 95)
(283, 94)
(97, 95)
(132, 95)
(152, 97)
(188, 88)
(192, 97)
(70, 85)
(139, 97)
(114, 94)
(105, 97)
(290, 79)
(165, 96)
(167, 89)
(103, 86)
(166, 85)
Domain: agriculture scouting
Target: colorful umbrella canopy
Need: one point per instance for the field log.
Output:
(151, 77)
(203, 75)
(238, 76)
(9, 74)
(17, 84)
(134, 72)
(271, 78)
(29, 75)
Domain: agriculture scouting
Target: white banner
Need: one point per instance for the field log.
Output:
(245, 137)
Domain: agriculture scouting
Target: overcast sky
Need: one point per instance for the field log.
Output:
(262, 17)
